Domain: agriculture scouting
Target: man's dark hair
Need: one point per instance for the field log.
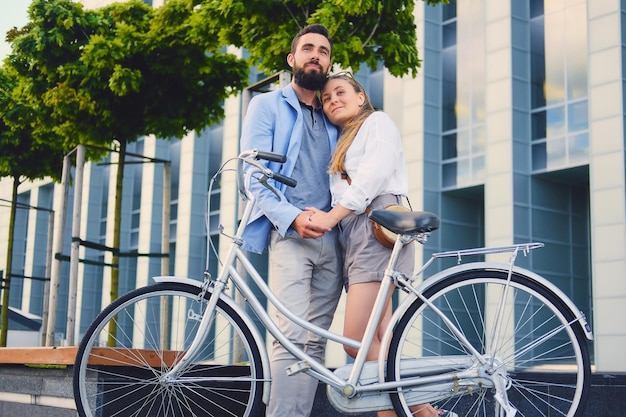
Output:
(315, 28)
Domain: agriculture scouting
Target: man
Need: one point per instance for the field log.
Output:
(305, 258)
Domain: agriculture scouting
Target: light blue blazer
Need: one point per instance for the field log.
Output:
(273, 122)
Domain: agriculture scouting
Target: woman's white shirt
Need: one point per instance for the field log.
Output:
(374, 162)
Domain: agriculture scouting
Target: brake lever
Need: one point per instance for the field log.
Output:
(263, 180)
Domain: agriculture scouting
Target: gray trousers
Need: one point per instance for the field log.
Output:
(306, 275)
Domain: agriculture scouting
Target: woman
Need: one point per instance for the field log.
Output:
(367, 171)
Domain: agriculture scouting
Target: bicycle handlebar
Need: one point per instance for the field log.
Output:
(276, 157)
(288, 181)
(271, 156)
(251, 157)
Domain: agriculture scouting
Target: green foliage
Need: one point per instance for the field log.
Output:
(364, 31)
(120, 72)
(23, 157)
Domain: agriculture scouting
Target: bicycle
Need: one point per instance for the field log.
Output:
(479, 338)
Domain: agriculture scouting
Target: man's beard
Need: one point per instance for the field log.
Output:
(312, 80)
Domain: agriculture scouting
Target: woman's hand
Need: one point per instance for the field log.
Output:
(330, 219)
(306, 228)
(321, 218)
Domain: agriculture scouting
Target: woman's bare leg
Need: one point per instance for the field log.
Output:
(359, 304)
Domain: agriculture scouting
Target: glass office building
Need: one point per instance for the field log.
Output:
(513, 130)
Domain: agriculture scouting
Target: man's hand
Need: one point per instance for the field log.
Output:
(306, 228)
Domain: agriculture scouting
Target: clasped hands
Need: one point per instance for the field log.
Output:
(313, 223)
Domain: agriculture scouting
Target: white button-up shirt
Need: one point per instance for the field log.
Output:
(375, 164)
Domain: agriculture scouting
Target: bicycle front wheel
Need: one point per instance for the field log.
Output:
(133, 343)
(532, 347)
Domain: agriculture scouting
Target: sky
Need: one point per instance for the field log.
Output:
(14, 14)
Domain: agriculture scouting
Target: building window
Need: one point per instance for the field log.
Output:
(463, 101)
(559, 119)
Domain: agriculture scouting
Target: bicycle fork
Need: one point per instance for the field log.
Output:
(203, 330)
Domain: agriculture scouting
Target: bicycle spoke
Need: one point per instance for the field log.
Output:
(127, 379)
(539, 363)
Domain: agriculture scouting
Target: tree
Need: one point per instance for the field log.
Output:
(113, 74)
(364, 31)
(21, 159)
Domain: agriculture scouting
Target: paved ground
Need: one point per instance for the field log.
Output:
(606, 399)
(47, 392)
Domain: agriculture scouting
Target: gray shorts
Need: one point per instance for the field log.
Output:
(365, 258)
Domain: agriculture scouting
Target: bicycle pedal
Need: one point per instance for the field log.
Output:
(297, 368)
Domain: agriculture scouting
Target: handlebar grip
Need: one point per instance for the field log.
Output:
(288, 181)
(271, 156)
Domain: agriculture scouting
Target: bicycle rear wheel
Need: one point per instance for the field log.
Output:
(536, 348)
(134, 341)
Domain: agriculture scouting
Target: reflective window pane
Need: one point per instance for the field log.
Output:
(536, 8)
(478, 140)
(464, 172)
(554, 58)
(463, 143)
(578, 148)
(556, 152)
(449, 175)
(576, 48)
(555, 121)
(448, 147)
(449, 10)
(448, 98)
(577, 116)
(538, 125)
(449, 35)
(478, 168)
(537, 63)
(540, 161)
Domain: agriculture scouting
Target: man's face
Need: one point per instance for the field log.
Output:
(311, 61)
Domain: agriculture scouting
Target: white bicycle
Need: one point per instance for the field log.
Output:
(479, 339)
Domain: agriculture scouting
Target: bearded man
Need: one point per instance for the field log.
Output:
(305, 258)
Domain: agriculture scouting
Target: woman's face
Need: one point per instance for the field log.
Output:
(340, 101)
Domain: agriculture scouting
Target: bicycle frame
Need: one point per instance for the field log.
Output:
(230, 272)
(361, 377)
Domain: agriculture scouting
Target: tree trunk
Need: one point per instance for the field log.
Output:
(117, 225)
(7, 273)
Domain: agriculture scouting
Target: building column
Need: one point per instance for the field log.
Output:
(192, 194)
(150, 216)
(499, 164)
(607, 183)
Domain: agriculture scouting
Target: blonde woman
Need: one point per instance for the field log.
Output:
(367, 171)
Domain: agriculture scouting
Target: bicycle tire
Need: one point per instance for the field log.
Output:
(124, 378)
(541, 350)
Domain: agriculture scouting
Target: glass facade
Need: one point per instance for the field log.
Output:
(560, 197)
(463, 100)
(463, 126)
(558, 43)
(549, 184)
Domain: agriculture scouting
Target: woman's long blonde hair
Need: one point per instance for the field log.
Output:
(352, 127)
